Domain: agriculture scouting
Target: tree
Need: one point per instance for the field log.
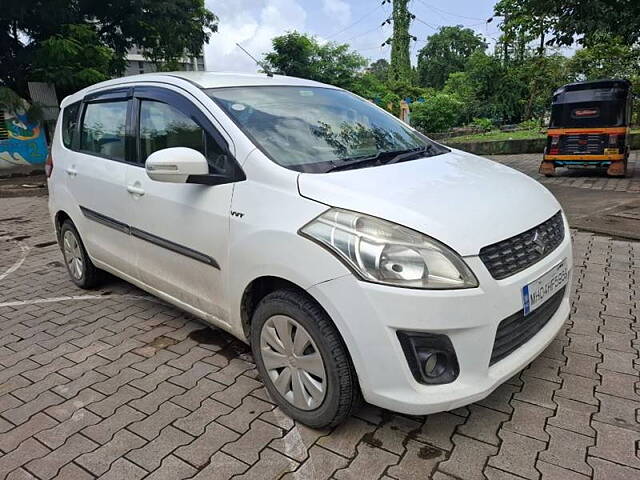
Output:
(498, 90)
(587, 20)
(607, 58)
(380, 68)
(541, 76)
(459, 86)
(437, 113)
(164, 29)
(301, 55)
(73, 58)
(522, 24)
(446, 52)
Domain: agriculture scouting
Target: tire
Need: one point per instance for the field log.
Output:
(340, 384)
(79, 266)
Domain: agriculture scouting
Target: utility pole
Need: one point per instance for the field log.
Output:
(400, 68)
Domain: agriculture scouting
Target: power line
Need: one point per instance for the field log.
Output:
(449, 13)
(427, 24)
(371, 12)
(377, 47)
(377, 27)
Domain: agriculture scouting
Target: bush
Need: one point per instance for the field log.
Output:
(483, 124)
(531, 124)
(437, 113)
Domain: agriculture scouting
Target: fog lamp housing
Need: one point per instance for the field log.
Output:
(431, 357)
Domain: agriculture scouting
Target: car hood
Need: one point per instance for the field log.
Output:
(462, 200)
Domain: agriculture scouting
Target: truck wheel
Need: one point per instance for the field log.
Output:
(302, 360)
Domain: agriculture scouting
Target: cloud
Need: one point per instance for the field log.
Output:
(339, 10)
(252, 24)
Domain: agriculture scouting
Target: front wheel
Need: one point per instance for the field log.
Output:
(302, 360)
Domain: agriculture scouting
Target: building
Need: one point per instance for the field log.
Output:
(137, 63)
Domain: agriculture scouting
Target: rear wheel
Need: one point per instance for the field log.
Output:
(302, 360)
(547, 168)
(81, 270)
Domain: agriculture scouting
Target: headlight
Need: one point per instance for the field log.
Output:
(383, 252)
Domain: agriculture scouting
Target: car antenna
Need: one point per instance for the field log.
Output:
(262, 65)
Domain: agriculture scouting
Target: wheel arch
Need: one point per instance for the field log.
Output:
(259, 288)
(60, 217)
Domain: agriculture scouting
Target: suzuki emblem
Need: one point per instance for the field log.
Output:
(540, 246)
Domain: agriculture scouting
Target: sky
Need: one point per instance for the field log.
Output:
(253, 23)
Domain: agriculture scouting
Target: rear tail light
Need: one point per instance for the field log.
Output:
(48, 166)
(613, 139)
(555, 139)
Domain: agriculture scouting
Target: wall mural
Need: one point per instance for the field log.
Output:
(21, 142)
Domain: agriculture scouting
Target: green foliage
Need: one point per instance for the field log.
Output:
(446, 52)
(496, 90)
(567, 20)
(459, 86)
(73, 59)
(540, 76)
(522, 24)
(379, 68)
(606, 58)
(166, 29)
(483, 124)
(32, 29)
(369, 86)
(437, 113)
(530, 124)
(301, 55)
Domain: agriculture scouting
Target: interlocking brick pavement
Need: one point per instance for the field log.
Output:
(580, 178)
(118, 385)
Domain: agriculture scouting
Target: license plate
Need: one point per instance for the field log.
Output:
(540, 290)
(610, 151)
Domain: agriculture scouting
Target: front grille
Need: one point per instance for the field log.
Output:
(518, 329)
(588, 144)
(514, 254)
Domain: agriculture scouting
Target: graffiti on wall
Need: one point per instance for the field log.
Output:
(21, 142)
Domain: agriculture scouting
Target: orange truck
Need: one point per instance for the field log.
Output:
(589, 127)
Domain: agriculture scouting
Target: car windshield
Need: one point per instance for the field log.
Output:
(316, 129)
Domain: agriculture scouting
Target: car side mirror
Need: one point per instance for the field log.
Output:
(176, 165)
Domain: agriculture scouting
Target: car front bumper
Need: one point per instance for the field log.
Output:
(369, 315)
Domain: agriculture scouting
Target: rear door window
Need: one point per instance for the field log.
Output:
(103, 130)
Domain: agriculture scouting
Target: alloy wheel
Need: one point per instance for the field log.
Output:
(73, 255)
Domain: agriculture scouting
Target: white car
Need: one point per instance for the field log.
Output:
(357, 257)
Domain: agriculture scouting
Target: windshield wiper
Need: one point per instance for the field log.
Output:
(350, 162)
(410, 154)
(377, 159)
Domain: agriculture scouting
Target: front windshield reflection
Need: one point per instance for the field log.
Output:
(314, 129)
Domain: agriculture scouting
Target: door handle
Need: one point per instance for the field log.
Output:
(135, 190)
(71, 171)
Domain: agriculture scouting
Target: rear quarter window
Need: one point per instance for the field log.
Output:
(69, 125)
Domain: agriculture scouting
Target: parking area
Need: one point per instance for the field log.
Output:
(116, 384)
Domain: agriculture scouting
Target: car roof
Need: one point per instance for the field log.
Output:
(202, 80)
(227, 79)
